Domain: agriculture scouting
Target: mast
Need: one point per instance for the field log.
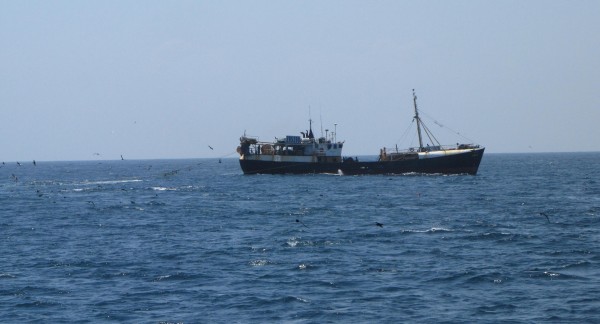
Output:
(418, 121)
(309, 133)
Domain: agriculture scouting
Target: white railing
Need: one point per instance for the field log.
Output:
(395, 150)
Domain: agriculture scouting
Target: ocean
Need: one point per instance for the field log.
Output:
(196, 241)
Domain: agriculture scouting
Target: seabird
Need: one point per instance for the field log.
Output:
(18, 163)
(210, 147)
(34, 164)
(544, 214)
(298, 221)
(174, 172)
(379, 224)
(122, 157)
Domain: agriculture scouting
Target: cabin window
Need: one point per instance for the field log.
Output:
(341, 145)
(329, 146)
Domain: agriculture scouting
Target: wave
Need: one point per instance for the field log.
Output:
(259, 263)
(553, 275)
(430, 230)
(577, 265)
(498, 236)
(109, 182)
(38, 304)
(163, 189)
(295, 241)
(97, 185)
(176, 276)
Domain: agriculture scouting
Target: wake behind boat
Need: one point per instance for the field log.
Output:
(295, 154)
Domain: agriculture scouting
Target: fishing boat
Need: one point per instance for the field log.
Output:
(291, 154)
(307, 154)
(434, 158)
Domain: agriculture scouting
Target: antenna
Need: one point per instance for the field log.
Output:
(310, 132)
(321, 118)
(335, 132)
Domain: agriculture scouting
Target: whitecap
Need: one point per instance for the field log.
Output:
(259, 263)
(431, 230)
(110, 182)
(163, 189)
(292, 242)
(439, 229)
(304, 300)
(551, 274)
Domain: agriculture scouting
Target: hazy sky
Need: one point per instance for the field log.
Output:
(165, 79)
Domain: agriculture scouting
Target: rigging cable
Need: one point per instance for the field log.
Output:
(446, 127)
(406, 132)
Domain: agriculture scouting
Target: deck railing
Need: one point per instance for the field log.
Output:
(395, 150)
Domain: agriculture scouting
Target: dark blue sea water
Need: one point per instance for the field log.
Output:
(189, 241)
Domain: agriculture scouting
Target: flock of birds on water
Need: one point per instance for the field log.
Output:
(40, 194)
(174, 172)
